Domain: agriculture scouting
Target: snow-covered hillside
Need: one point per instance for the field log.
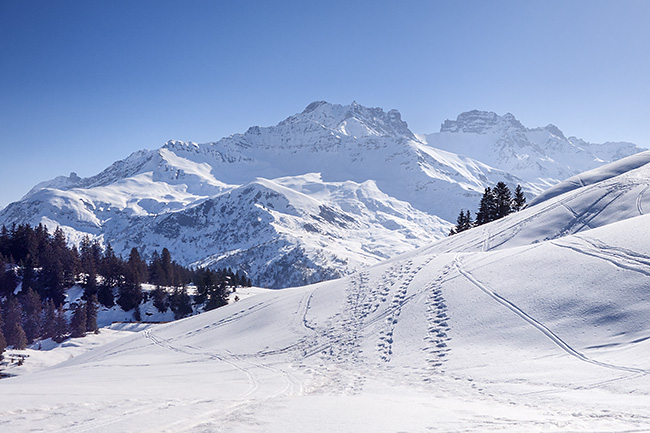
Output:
(323, 193)
(536, 322)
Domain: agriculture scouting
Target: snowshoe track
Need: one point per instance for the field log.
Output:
(437, 320)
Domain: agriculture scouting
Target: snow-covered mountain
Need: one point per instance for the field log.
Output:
(541, 156)
(326, 191)
(537, 322)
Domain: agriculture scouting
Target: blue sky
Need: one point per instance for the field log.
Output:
(85, 83)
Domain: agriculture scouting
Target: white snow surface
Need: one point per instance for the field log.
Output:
(533, 323)
(325, 192)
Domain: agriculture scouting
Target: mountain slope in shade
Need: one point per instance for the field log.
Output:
(534, 335)
(321, 194)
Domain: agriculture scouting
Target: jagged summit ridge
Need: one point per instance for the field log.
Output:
(481, 122)
(484, 122)
(353, 120)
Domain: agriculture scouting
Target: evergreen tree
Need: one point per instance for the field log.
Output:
(48, 324)
(167, 267)
(111, 268)
(503, 200)
(27, 274)
(160, 301)
(180, 303)
(156, 272)
(24, 245)
(60, 330)
(130, 293)
(487, 208)
(52, 281)
(137, 316)
(13, 330)
(91, 314)
(463, 222)
(3, 342)
(105, 296)
(137, 267)
(90, 283)
(68, 257)
(8, 278)
(519, 199)
(211, 287)
(5, 241)
(32, 309)
(130, 296)
(78, 322)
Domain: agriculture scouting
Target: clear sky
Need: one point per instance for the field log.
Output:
(85, 83)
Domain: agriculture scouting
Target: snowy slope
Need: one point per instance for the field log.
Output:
(531, 335)
(323, 193)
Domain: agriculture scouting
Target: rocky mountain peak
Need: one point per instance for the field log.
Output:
(352, 120)
(481, 122)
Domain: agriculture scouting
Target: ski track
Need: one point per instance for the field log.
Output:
(584, 219)
(541, 327)
(639, 200)
(234, 317)
(619, 257)
(245, 364)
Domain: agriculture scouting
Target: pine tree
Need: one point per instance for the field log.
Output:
(51, 279)
(32, 309)
(180, 303)
(8, 278)
(78, 322)
(111, 268)
(130, 293)
(5, 241)
(13, 330)
(91, 314)
(519, 200)
(105, 296)
(167, 267)
(160, 301)
(156, 272)
(48, 323)
(487, 208)
(60, 330)
(503, 200)
(218, 297)
(3, 342)
(90, 259)
(463, 222)
(68, 257)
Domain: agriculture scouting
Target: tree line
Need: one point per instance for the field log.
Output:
(38, 267)
(496, 203)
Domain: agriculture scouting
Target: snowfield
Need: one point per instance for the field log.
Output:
(534, 323)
